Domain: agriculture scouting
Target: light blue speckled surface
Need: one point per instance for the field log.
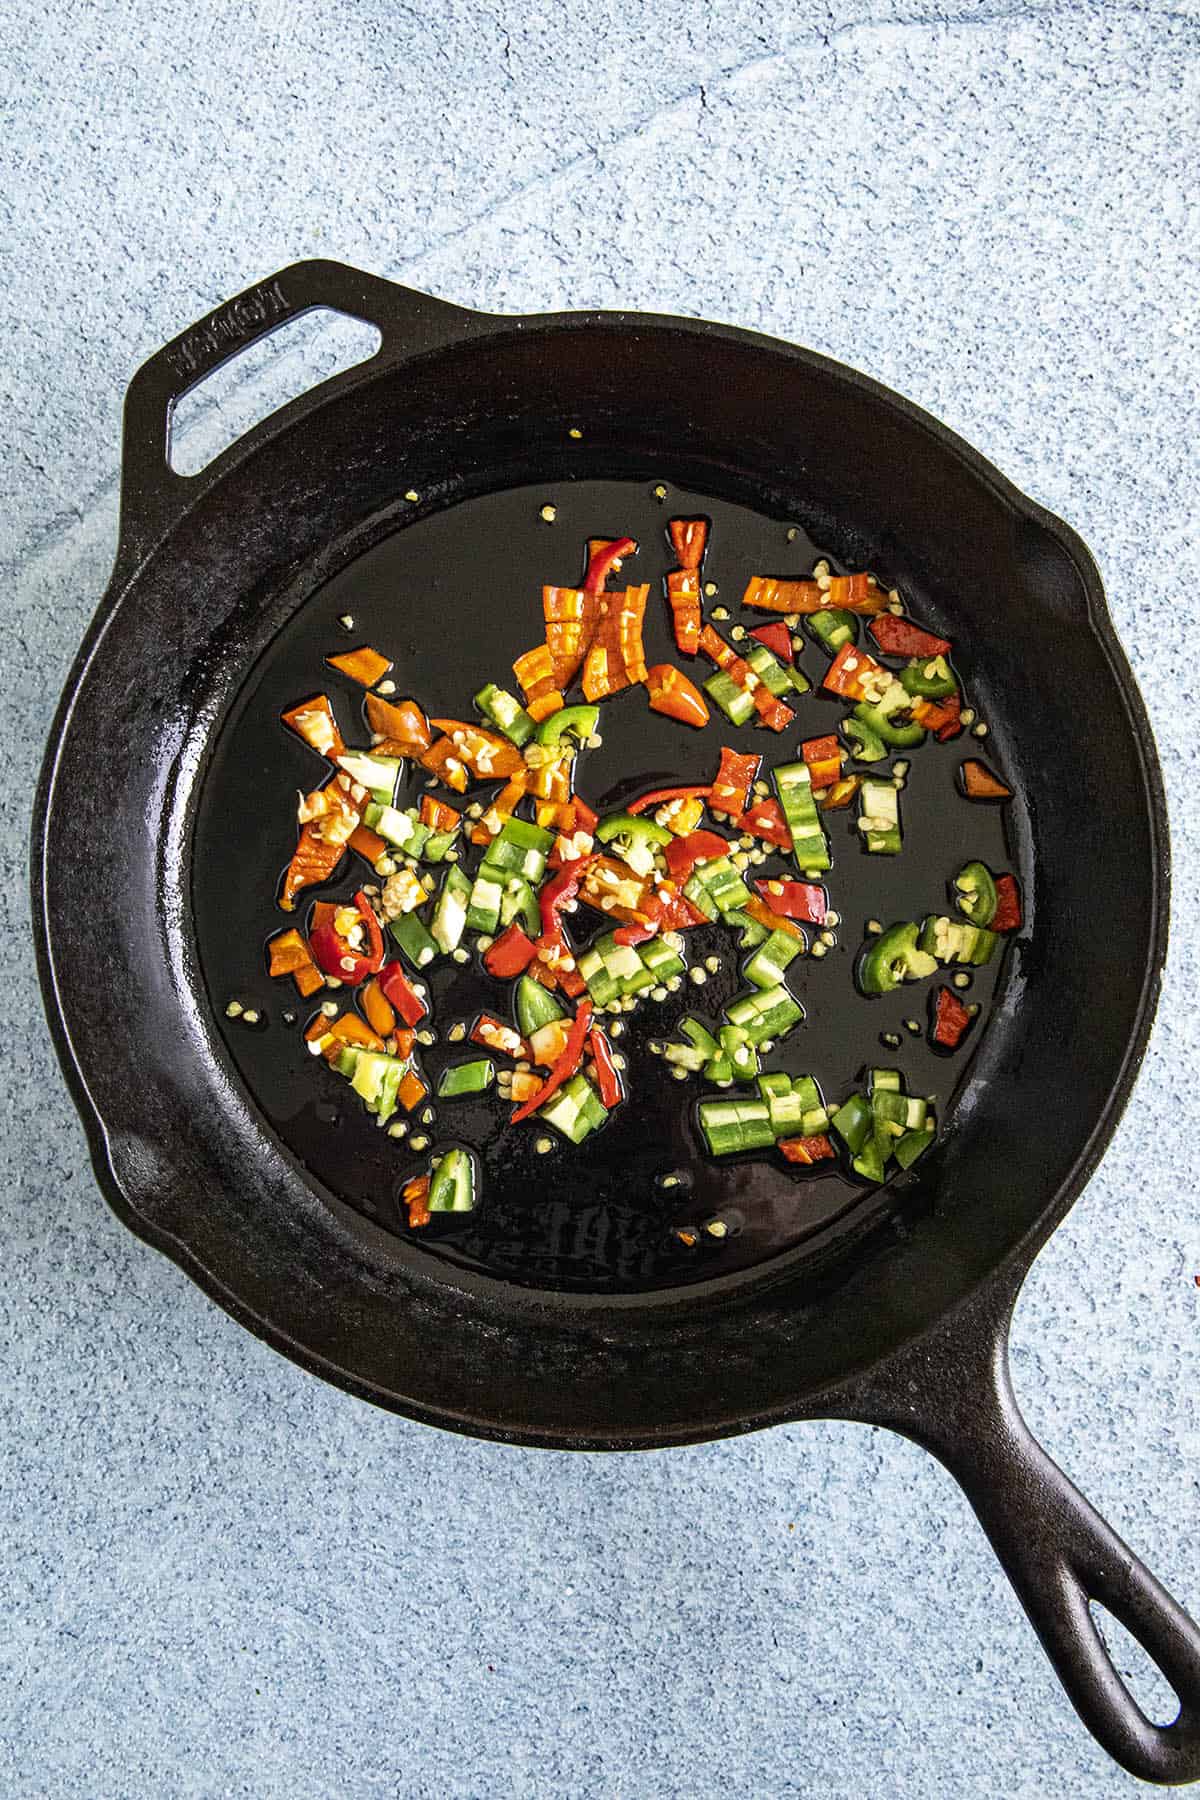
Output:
(221, 1577)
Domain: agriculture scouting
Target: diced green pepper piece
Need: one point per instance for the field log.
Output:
(506, 713)
(466, 1078)
(885, 1081)
(416, 944)
(734, 701)
(699, 1035)
(401, 829)
(793, 784)
(913, 1144)
(633, 839)
(518, 904)
(975, 893)
(864, 744)
(662, 962)
(732, 1125)
(378, 774)
(452, 1186)
(743, 1058)
(879, 817)
(483, 905)
(831, 628)
(929, 678)
(719, 1070)
(601, 985)
(869, 1162)
(685, 1056)
(899, 735)
(766, 967)
(852, 1122)
(725, 886)
(536, 1006)
(770, 670)
(752, 933)
(893, 957)
(575, 1110)
(437, 845)
(569, 721)
(450, 910)
(695, 891)
(954, 941)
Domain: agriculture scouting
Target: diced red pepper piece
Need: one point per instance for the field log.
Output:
(672, 693)
(313, 720)
(616, 658)
(658, 797)
(765, 820)
(773, 713)
(978, 782)
(806, 1150)
(562, 887)
(900, 637)
(761, 913)
(437, 815)
(495, 1035)
(676, 912)
(566, 1065)
(949, 723)
(735, 777)
(804, 900)
(416, 1199)
(585, 818)
(824, 758)
(777, 638)
(570, 982)
(608, 1082)
(1007, 916)
(602, 554)
(683, 597)
(689, 540)
(847, 593)
(401, 721)
(951, 1019)
(398, 989)
(364, 665)
(844, 674)
(333, 953)
(510, 954)
(682, 854)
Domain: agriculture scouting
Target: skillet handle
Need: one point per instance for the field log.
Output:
(955, 1398)
(152, 494)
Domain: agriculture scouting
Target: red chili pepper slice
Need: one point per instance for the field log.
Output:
(950, 725)
(1007, 916)
(585, 818)
(562, 887)
(672, 693)
(735, 777)
(765, 820)
(776, 637)
(602, 554)
(334, 955)
(682, 854)
(566, 1065)
(397, 989)
(806, 1150)
(803, 900)
(689, 538)
(607, 1079)
(844, 674)
(900, 637)
(659, 795)
(951, 1019)
(824, 758)
(510, 954)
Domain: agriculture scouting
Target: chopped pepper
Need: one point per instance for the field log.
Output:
(398, 990)
(511, 954)
(978, 782)
(607, 1080)
(400, 721)
(313, 720)
(333, 950)
(659, 796)
(1007, 916)
(842, 792)
(851, 593)
(566, 1065)
(290, 955)
(735, 777)
(672, 693)
(777, 638)
(416, 1199)
(682, 854)
(765, 820)
(378, 1008)
(683, 597)
(605, 555)
(804, 900)
(900, 637)
(689, 539)
(824, 758)
(443, 760)
(806, 1150)
(845, 673)
(615, 657)
(951, 1020)
(364, 665)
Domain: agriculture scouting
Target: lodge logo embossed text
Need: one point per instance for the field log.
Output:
(240, 320)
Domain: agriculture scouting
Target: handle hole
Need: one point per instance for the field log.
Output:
(257, 381)
(1147, 1684)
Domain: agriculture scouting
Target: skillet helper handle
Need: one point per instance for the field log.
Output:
(956, 1399)
(152, 494)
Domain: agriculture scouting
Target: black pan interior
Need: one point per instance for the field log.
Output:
(455, 596)
(740, 422)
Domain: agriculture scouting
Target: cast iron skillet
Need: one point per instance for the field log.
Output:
(902, 1318)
